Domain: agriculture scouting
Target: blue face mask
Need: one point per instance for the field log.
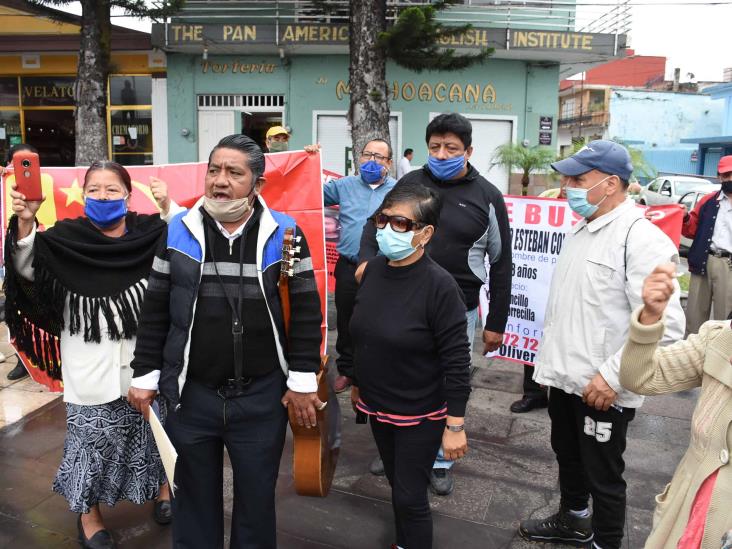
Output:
(445, 169)
(371, 172)
(394, 245)
(577, 200)
(105, 213)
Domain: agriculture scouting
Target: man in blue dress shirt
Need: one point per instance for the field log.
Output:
(358, 197)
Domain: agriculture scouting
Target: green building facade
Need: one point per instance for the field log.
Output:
(245, 74)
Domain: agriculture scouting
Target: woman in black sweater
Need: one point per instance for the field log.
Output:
(411, 356)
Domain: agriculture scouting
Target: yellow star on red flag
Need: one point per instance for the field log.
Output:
(73, 193)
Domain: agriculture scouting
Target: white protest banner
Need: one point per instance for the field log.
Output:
(538, 229)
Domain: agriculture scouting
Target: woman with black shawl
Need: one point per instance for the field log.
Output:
(74, 294)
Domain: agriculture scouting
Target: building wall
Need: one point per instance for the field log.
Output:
(319, 83)
(672, 161)
(662, 119)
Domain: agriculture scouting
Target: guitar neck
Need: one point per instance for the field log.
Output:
(288, 245)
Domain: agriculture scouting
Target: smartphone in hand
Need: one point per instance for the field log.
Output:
(27, 169)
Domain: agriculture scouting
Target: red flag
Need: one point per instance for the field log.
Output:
(668, 218)
(293, 187)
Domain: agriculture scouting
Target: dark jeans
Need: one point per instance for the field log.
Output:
(252, 427)
(408, 454)
(531, 388)
(591, 442)
(345, 297)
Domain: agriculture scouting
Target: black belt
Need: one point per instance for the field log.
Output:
(720, 253)
(234, 387)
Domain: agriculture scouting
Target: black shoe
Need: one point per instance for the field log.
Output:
(441, 482)
(100, 540)
(526, 404)
(562, 527)
(163, 512)
(19, 372)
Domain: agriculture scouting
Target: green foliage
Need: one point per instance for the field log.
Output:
(526, 159)
(414, 41)
(134, 8)
(684, 282)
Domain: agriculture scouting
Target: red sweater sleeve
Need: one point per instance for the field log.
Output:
(691, 221)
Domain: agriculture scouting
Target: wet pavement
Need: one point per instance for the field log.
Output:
(508, 474)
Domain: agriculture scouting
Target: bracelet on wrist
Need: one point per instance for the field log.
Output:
(455, 428)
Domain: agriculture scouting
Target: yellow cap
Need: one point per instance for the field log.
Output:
(276, 130)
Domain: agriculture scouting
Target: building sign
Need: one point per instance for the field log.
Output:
(546, 123)
(545, 138)
(237, 67)
(47, 91)
(543, 40)
(182, 34)
(441, 92)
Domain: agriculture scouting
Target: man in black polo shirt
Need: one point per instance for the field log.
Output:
(473, 226)
(211, 338)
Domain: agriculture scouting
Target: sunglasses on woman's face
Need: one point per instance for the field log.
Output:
(398, 223)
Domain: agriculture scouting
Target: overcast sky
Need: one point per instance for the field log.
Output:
(696, 36)
(697, 39)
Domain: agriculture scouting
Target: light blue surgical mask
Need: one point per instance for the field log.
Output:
(394, 245)
(577, 200)
(447, 168)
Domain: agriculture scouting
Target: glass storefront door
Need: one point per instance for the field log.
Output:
(52, 133)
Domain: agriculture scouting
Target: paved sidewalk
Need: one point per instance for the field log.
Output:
(509, 474)
(18, 398)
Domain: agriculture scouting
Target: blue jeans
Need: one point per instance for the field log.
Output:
(472, 318)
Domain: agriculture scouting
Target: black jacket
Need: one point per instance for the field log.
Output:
(163, 337)
(473, 224)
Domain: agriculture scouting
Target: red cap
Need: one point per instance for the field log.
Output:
(725, 164)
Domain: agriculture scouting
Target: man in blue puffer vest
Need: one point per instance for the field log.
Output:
(211, 340)
(710, 256)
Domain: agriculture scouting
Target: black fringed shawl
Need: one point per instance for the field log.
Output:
(97, 273)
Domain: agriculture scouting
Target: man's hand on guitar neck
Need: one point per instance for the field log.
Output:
(305, 405)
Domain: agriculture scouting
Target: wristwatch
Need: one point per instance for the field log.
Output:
(455, 428)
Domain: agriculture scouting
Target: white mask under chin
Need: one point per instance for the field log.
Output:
(227, 211)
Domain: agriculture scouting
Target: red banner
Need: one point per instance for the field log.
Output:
(332, 234)
(293, 187)
(669, 218)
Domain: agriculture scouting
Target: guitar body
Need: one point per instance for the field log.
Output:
(314, 458)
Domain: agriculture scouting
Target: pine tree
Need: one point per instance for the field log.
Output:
(413, 42)
(90, 88)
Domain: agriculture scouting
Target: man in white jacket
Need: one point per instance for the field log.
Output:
(597, 283)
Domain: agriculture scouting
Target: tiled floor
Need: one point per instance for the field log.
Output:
(508, 474)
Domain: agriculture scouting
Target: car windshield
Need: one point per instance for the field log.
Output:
(683, 187)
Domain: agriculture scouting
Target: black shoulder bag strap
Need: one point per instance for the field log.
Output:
(625, 249)
(237, 328)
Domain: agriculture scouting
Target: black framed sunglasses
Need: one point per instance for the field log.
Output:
(375, 156)
(398, 223)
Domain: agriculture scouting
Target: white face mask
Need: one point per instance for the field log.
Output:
(227, 211)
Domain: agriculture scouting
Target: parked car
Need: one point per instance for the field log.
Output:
(669, 189)
(690, 200)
